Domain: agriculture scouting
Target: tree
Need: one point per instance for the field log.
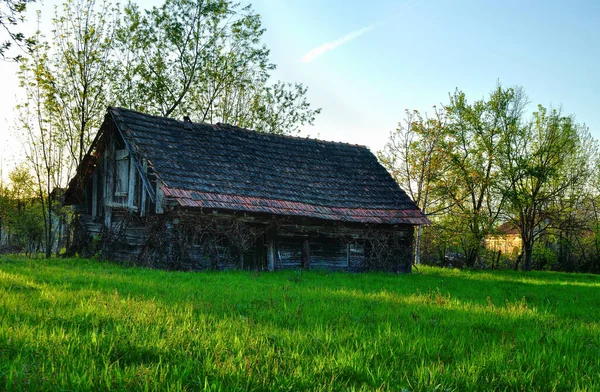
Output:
(26, 220)
(281, 108)
(204, 59)
(473, 136)
(12, 12)
(413, 155)
(541, 164)
(83, 35)
(42, 145)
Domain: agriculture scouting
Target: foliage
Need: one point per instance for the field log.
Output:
(82, 40)
(471, 143)
(414, 157)
(205, 60)
(43, 138)
(82, 325)
(476, 165)
(12, 13)
(27, 226)
(542, 163)
(185, 57)
(21, 219)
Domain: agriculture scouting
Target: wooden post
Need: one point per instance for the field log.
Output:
(95, 193)
(408, 241)
(131, 185)
(109, 163)
(160, 198)
(143, 190)
(169, 237)
(271, 264)
(305, 254)
(348, 255)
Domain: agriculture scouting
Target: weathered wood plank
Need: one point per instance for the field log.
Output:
(160, 199)
(305, 254)
(131, 185)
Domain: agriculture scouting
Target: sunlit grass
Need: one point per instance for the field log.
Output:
(84, 325)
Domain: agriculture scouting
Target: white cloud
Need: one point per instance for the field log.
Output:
(328, 46)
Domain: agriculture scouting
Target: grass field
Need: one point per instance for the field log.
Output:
(85, 325)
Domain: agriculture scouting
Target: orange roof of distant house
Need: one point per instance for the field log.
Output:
(507, 228)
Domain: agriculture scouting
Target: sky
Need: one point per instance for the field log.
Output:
(365, 63)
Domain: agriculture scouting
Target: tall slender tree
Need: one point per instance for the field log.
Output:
(83, 35)
(41, 138)
(414, 157)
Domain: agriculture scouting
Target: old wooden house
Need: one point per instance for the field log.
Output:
(181, 195)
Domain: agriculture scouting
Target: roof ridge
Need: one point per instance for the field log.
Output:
(219, 125)
(224, 127)
(110, 108)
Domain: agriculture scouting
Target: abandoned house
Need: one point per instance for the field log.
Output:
(175, 194)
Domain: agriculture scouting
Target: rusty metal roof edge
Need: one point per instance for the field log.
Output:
(184, 199)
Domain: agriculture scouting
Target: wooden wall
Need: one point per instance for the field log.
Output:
(173, 242)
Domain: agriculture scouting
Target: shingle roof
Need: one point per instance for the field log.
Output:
(225, 167)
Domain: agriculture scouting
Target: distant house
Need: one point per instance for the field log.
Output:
(176, 194)
(506, 240)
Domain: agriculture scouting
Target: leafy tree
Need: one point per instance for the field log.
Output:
(413, 155)
(83, 32)
(544, 164)
(204, 59)
(281, 108)
(473, 137)
(12, 12)
(42, 145)
(20, 213)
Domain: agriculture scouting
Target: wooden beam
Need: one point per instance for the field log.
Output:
(109, 163)
(305, 255)
(160, 199)
(348, 254)
(131, 186)
(144, 193)
(95, 193)
(271, 262)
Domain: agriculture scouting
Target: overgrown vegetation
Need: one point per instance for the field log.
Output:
(82, 325)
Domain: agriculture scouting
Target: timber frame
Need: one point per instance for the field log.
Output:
(163, 193)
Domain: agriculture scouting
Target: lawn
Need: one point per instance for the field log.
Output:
(76, 324)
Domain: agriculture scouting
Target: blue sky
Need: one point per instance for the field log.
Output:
(366, 62)
(411, 54)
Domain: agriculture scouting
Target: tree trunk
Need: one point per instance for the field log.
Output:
(528, 254)
(471, 257)
(305, 255)
(59, 235)
(418, 245)
(518, 261)
(496, 261)
(49, 233)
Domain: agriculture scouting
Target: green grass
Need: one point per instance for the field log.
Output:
(77, 324)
